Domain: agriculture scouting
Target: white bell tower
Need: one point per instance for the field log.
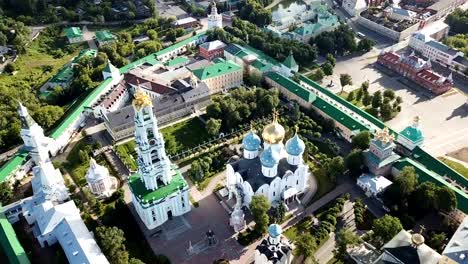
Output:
(215, 20)
(153, 163)
(33, 136)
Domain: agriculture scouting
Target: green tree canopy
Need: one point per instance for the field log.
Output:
(385, 228)
(5, 193)
(305, 245)
(361, 140)
(259, 206)
(111, 240)
(345, 79)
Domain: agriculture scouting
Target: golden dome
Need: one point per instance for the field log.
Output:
(273, 133)
(141, 99)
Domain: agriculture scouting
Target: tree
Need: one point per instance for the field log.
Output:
(336, 167)
(331, 59)
(5, 193)
(213, 126)
(83, 156)
(365, 45)
(354, 162)
(386, 111)
(345, 238)
(389, 94)
(305, 245)
(10, 68)
(350, 97)
(135, 261)
(436, 241)
(377, 100)
(361, 140)
(345, 79)
(47, 115)
(405, 183)
(327, 68)
(259, 207)
(385, 228)
(318, 75)
(366, 99)
(423, 198)
(446, 199)
(458, 21)
(111, 240)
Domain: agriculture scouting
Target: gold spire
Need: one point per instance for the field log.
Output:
(141, 99)
(384, 136)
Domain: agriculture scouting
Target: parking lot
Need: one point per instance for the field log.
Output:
(444, 118)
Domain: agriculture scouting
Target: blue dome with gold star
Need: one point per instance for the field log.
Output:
(295, 146)
(275, 230)
(251, 141)
(270, 157)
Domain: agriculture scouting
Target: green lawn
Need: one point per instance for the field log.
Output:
(128, 154)
(185, 135)
(32, 64)
(355, 102)
(458, 167)
(74, 166)
(303, 226)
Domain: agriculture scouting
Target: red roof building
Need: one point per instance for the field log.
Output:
(212, 50)
(417, 70)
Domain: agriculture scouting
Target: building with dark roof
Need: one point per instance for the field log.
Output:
(274, 249)
(404, 248)
(167, 108)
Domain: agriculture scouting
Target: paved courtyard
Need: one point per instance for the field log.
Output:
(444, 118)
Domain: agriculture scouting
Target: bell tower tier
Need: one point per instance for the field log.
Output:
(153, 163)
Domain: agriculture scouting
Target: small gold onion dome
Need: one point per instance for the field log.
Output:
(273, 133)
(141, 99)
(417, 239)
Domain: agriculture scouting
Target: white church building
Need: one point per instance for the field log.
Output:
(52, 216)
(99, 180)
(277, 171)
(159, 191)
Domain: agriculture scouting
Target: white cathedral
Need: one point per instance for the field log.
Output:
(276, 171)
(215, 20)
(159, 191)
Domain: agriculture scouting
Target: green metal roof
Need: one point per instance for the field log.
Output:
(73, 32)
(64, 75)
(104, 35)
(307, 29)
(145, 196)
(292, 86)
(153, 58)
(216, 70)
(263, 67)
(426, 174)
(10, 166)
(345, 103)
(413, 134)
(10, 243)
(438, 166)
(79, 108)
(85, 53)
(290, 62)
(338, 115)
(177, 61)
(180, 44)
